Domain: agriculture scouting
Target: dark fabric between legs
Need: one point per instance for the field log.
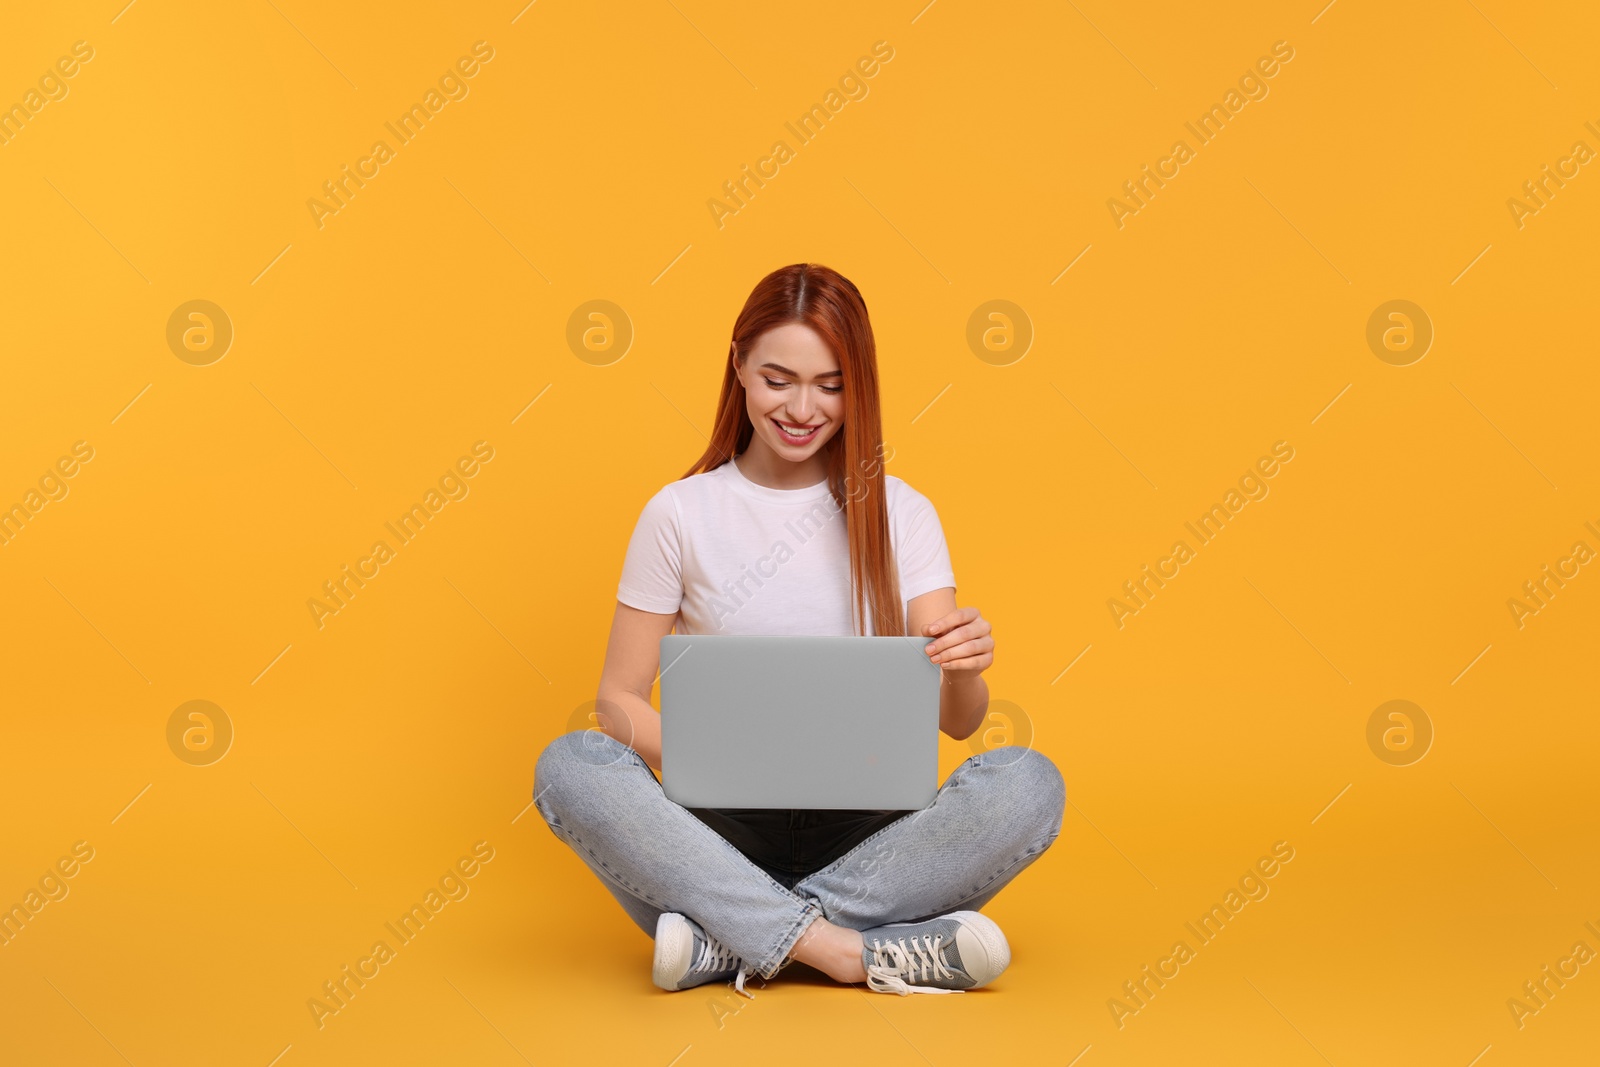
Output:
(790, 843)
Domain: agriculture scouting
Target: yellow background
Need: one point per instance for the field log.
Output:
(428, 313)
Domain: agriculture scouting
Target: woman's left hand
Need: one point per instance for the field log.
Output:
(961, 641)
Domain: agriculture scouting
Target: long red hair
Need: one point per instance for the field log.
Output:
(830, 304)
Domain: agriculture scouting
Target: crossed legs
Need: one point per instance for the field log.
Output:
(994, 815)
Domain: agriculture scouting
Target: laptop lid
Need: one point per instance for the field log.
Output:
(756, 721)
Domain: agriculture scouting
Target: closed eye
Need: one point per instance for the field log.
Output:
(831, 390)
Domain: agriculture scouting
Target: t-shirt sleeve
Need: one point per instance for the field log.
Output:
(922, 553)
(652, 574)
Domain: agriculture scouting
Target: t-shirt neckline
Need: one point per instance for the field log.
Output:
(737, 479)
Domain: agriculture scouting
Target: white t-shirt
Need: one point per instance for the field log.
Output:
(740, 558)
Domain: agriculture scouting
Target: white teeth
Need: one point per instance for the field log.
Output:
(792, 433)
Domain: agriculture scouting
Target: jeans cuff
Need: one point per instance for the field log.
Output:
(778, 957)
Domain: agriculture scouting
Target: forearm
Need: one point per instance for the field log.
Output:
(963, 700)
(629, 718)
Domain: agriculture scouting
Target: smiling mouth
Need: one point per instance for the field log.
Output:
(796, 434)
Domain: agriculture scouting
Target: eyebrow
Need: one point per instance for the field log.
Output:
(792, 374)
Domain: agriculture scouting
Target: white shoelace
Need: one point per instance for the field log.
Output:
(713, 957)
(892, 963)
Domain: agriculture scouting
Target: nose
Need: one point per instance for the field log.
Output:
(802, 409)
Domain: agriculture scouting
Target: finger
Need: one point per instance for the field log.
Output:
(978, 628)
(950, 640)
(952, 620)
(947, 639)
(972, 663)
(964, 649)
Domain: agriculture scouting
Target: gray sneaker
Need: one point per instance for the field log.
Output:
(686, 956)
(950, 954)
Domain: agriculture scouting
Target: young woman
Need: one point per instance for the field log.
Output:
(788, 525)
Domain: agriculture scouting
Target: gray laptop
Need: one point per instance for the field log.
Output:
(753, 721)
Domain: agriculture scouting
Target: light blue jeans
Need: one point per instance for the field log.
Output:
(993, 816)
